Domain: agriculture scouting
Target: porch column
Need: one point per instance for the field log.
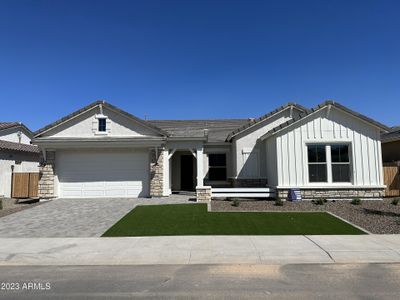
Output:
(156, 172)
(46, 174)
(200, 167)
(167, 172)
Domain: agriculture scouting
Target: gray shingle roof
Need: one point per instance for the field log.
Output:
(392, 135)
(218, 130)
(8, 125)
(92, 105)
(252, 122)
(11, 146)
(322, 105)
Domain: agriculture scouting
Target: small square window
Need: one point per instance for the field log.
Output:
(102, 125)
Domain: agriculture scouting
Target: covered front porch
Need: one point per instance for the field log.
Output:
(184, 167)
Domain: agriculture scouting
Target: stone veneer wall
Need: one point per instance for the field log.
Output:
(345, 194)
(203, 194)
(46, 179)
(156, 173)
(248, 182)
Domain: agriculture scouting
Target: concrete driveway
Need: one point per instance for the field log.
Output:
(74, 217)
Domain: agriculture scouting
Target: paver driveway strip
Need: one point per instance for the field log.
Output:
(74, 217)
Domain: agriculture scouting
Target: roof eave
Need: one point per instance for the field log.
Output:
(320, 107)
(91, 106)
(263, 118)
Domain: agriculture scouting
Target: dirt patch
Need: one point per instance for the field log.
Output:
(376, 216)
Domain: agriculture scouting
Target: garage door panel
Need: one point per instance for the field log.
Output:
(103, 174)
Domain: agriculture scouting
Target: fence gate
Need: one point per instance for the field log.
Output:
(25, 185)
(392, 180)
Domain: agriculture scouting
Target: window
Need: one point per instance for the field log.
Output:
(317, 163)
(340, 163)
(102, 124)
(217, 167)
(337, 163)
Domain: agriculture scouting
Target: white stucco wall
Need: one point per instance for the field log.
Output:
(85, 125)
(7, 160)
(249, 155)
(291, 165)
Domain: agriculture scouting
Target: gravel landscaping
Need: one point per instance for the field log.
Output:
(10, 206)
(379, 217)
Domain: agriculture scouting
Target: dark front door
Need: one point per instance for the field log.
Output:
(187, 173)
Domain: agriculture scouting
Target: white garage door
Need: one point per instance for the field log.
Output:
(94, 173)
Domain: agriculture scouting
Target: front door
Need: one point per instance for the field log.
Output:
(187, 182)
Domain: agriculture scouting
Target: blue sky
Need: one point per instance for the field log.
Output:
(197, 59)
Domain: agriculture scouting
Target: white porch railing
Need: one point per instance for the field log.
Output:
(243, 192)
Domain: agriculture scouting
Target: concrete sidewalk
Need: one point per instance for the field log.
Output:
(200, 250)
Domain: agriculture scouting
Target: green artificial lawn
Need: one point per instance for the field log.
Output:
(193, 219)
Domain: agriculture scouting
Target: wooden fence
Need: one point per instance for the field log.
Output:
(391, 177)
(25, 185)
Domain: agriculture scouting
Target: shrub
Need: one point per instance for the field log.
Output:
(278, 202)
(236, 203)
(319, 201)
(356, 201)
(395, 201)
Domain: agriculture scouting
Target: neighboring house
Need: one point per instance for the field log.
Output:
(16, 154)
(391, 145)
(102, 151)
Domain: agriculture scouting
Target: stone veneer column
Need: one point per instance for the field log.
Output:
(156, 173)
(203, 193)
(46, 179)
(337, 194)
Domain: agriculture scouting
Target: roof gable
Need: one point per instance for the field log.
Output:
(86, 114)
(265, 117)
(318, 108)
(15, 125)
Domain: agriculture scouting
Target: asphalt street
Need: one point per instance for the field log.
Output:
(300, 281)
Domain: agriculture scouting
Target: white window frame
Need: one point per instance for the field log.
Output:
(96, 125)
(325, 163)
(341, 163)
(328, 154)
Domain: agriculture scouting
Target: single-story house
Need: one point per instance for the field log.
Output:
(391, 145)
(102, 151)
(17, 155)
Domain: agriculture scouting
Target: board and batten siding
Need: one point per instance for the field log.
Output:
(249, 153)
(287, 150)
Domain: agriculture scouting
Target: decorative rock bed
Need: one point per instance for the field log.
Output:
(376, 216)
